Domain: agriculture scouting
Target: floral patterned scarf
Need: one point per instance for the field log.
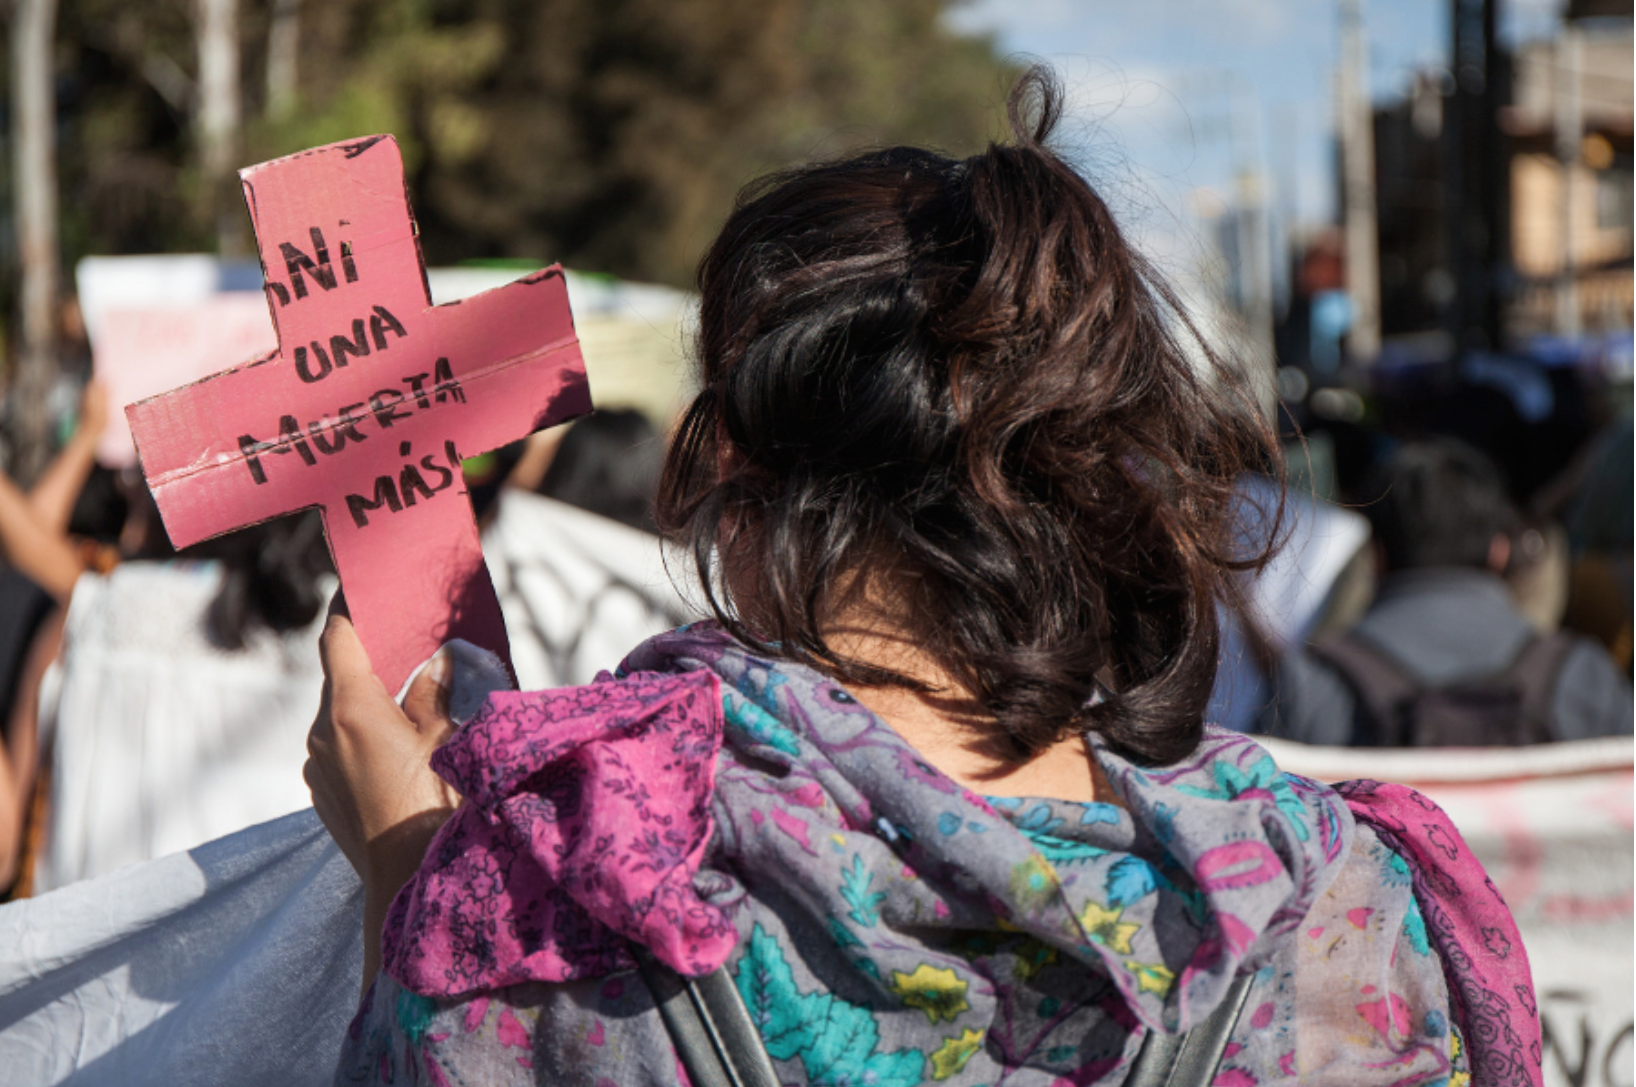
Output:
(883, 924)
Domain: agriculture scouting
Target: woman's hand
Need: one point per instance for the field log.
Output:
(369, 770)
(93, 415)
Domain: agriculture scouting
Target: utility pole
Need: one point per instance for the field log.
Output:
(283, 48)
(1254, 244)
(1476, 184)
(1357, 125)
(34, 166)
(218, 118)
(1570, 124)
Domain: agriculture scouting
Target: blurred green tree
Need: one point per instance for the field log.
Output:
(608, 134)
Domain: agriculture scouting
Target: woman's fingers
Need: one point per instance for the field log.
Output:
(342, 652)
(369, 768)
(427, 701)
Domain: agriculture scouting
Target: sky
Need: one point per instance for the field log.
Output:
(1166, 94)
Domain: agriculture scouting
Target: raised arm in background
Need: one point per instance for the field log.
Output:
(42, 554)
(52, 497)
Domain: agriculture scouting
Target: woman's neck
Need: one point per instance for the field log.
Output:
(949, 729)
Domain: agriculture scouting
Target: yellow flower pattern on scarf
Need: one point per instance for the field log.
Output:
(940, 993)
(952, 1055)
(1151, 977)
(1103, 926)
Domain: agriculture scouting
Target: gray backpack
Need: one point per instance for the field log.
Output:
(1510, 707)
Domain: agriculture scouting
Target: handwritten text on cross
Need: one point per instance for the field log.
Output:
(368, 406)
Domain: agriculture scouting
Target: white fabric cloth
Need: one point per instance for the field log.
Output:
(237, 963)
(578, 590)
(161, 739)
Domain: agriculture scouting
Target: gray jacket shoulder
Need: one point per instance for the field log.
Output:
(1309, 703)
(1591, 697)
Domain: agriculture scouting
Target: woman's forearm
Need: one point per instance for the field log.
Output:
(45, 556)
(392, 860)
(53, 496)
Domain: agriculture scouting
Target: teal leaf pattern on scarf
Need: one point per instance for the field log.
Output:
(415, 1014)
(1064, 850)
(835, 1041)
(1395, 873)
(1132, 878)
(843, 938)
(1129, 879)
(1414, 926)
(855, 890)
(1263, 776)
(1097, 812)
(741, 713)
(1039, 820)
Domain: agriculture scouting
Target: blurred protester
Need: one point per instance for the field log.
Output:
(42, 563)
(580, 574)
(1599, 518)
(34, 526)
(1444, 656)
(177, 708)
(167, 697)
(609, 463)
(1311, 586)
(577, 590)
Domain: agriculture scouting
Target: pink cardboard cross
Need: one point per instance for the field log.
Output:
(368, 405)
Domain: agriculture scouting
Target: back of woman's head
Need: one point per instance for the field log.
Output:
(1438, 502)
(272, 577)
(100, 509)
(608, 463)
(955, 381)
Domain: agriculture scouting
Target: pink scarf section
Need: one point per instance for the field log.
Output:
(1489, 982)
(563, 851)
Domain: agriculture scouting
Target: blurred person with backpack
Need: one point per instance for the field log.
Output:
(1444, 657)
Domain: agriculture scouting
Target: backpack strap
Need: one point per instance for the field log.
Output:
(1190, 1059)
(709, 1025)
(1379, 683)
(1536, 669)
(719, 1044)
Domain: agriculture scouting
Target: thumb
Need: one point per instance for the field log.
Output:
(426, 703)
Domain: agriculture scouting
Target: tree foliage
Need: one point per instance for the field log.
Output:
(608, 134)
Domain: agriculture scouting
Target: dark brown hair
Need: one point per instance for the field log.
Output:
(959, 374)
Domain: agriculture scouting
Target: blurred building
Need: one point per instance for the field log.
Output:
(1543, 241)
(1569, 127)
(1416, 280)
